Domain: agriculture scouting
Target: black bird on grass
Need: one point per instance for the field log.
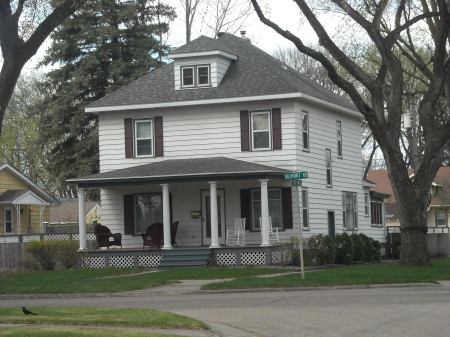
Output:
(27, 312)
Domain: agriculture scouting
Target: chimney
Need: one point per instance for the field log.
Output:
(243, 37)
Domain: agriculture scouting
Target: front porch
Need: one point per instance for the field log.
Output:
(189, 257)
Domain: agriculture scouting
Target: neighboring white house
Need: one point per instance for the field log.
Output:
(229, 121)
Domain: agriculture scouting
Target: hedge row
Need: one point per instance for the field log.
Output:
(343, 249)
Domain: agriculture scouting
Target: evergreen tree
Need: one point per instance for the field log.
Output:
(102, 47)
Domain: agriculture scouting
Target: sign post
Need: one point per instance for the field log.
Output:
(295, 177)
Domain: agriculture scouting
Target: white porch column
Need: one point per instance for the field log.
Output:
(81, 219)
(166, 216)
(214, 218)
(265, 241)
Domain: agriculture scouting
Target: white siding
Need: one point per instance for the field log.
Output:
(212, 131)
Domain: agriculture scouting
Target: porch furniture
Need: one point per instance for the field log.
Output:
(236, 237)
(173, 233)
(152, 237)
(105, 238)
(273, 232)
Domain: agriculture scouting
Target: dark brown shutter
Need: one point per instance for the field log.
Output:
(128, 213)
(276, 128)
(159, 144)
(286, 201)
(245, 208)
(128, 137)
(245, 129)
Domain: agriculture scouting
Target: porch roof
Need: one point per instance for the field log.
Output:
(21, 197)
(182, 170)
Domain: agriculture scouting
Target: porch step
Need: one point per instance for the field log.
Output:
(181, 258)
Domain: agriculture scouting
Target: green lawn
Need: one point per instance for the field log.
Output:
(385, 273)
(112, 279)
(90, 316)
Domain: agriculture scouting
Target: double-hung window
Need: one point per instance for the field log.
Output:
(195, 76)
(339, 138)
(275, 208)
(350, 210)
(366, 204)
(305, 212)
(144, 137)
(147, 210)
(328, 167)
(376, 211)
(305, 130)
(441, 218)
(261, 134)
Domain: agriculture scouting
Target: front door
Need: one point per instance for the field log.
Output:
(206, 216)
(7, 219)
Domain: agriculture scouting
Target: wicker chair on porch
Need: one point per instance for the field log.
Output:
(152, 237)
(105, 238)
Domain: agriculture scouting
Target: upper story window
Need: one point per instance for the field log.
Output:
(143, 137)
(305, 130)
(328, 167)
(261, 135)
(339, 138)
(195, 76)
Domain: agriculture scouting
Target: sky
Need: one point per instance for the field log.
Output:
(283, 12)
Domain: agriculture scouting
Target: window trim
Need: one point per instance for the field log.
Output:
(328, 168)
(366, 205)
(135, 138)
(269, 130)
(339, 139)
(305, 133)
(255, 219)
(195, 76)
(198, 75)
(354, 210)
(305, 208)
(436, 217)
(376, 210)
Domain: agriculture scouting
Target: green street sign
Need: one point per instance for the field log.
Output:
(296, 182)
(296, 175)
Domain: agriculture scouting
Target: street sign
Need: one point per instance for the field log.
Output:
(296, 182)
(296, 175)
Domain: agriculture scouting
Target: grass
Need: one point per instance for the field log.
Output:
(112, 279)
(387, 273)
(37, 331)
(91, 316)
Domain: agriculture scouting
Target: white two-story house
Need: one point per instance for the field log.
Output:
(210, 137)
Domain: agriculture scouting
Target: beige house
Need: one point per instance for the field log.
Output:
(24, 206)
(439, 210)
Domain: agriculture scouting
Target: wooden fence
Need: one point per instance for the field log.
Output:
(437, 240)
(13, 255)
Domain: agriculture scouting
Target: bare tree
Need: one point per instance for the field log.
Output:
(394, 30)
(24, 26)
(227, 16)
(190, 9)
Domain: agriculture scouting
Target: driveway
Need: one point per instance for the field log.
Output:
(411, 311)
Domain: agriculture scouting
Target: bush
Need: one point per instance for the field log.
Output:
(326, 252)
(44, 252)
(344, 249)
(49, 253)
(67, 254)
(359, 248)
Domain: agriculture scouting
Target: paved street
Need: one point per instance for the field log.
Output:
(377, 311)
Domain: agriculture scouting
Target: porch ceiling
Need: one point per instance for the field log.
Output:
(182, 170)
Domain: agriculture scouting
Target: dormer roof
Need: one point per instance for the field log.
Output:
(203, 46)
(253, 76)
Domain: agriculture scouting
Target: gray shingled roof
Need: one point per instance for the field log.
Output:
(182, 170)
(255, 73)
(11, 195)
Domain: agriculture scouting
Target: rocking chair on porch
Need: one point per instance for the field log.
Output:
(152, 236)
(236, 237)
(273, 232)
(105, 238)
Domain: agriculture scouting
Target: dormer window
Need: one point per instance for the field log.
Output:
(195, 76)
